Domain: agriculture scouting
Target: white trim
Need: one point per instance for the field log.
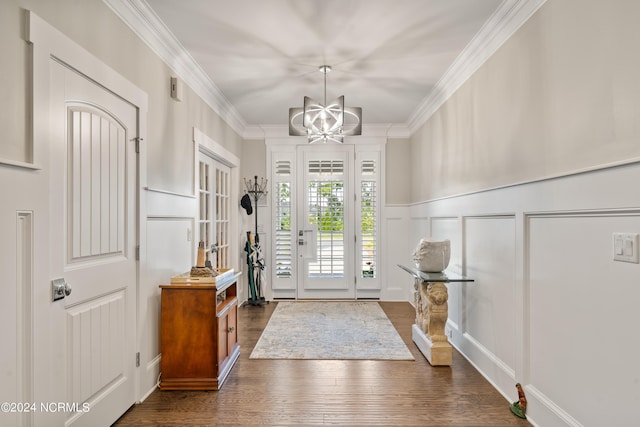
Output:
(139, 16)
(24, 315)
(156, 190)
(217, 151)
(549, 405)
(387, 130)
(18, 164)
(504, 22)
(601, 167)
(205, 144)
(294, 141)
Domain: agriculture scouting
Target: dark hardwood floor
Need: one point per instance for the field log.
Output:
(332, 392)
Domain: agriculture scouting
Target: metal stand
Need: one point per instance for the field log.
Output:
(254, 254)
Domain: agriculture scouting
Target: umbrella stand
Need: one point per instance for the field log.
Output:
(252, 286)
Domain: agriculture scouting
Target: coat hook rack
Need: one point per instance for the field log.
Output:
(258, 190)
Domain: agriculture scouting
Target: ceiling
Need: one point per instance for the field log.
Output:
(261, 57)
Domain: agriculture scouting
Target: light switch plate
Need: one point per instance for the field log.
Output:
(625, 247)
(176, 88)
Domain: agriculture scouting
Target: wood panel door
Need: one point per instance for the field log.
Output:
(93, 238)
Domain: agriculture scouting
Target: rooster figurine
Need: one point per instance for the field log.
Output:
(519, 408)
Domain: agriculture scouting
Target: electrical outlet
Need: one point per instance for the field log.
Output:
(625, 247)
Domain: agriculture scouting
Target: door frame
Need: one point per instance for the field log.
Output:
(285, 149)
(203, 144)
(47, 43)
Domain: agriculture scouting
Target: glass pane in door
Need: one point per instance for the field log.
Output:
(326, 212)
(326, 231)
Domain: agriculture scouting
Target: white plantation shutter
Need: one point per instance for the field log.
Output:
(283, 252)
(283, 222)
(368, 241)
(368, 189)
(326, 167)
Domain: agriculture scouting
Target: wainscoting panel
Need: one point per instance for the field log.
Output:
(449, 228)
(583, 307)
(419, 228)
(549, 307)
(23, 316)
(169, 252)
(397, 285)
(488, 319)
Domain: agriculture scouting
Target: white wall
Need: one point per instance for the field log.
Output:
(560, 95)
(529, 167)
(549, 307)
(168, 250)
(25, 195)
(167, 205)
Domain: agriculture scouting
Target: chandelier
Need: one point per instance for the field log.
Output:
(325, 122)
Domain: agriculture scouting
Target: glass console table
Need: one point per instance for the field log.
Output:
(444, 276)
(430, 298)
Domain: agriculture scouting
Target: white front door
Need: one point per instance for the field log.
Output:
(93, 239)
(325, 229)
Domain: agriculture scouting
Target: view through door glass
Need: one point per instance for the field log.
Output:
(325, 210)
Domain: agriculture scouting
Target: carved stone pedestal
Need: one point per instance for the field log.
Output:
(432, 311)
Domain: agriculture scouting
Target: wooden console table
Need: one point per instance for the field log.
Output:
(432, 311)
(199, 337)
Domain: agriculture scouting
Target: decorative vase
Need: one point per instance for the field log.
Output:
(432, 256)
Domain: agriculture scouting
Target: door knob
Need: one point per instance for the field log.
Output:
(60, 288)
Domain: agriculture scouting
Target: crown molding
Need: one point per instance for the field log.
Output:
(152, 31)
(504, 22)
(388, 130)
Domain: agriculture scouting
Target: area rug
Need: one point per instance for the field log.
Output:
(330, 330)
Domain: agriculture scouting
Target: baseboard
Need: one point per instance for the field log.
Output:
(547, 412)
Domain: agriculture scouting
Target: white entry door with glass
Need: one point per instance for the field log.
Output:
(325, 224)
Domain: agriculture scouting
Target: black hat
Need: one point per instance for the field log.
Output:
(245, 202)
